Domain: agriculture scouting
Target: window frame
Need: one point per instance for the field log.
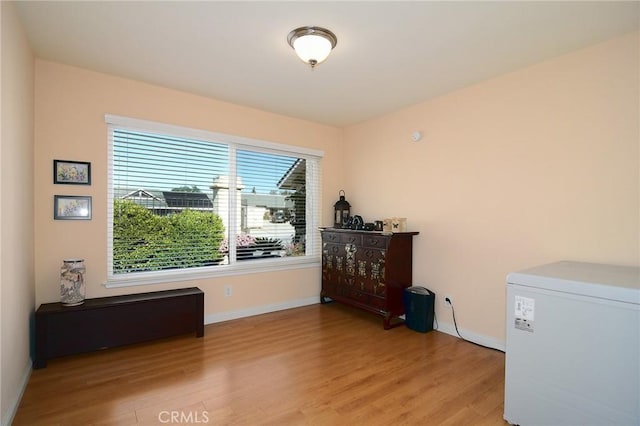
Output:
(313, 205)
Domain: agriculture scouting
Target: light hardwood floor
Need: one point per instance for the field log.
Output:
(317, 365)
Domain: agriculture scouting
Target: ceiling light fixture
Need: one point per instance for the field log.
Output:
(312, 44)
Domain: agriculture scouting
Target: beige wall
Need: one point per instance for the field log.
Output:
(70, 108)
(530, 167)
(534, 166)
(16, 211)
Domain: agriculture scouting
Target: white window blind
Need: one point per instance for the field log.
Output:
(185, 203)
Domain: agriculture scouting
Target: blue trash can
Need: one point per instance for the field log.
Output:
(419, 308)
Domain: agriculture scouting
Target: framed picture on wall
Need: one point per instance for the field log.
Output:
(69, 207)
(71, 172)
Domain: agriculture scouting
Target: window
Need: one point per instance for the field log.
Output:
(186, 204)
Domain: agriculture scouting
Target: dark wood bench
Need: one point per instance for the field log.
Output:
(108, 322)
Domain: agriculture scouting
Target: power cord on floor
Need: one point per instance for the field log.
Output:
(455, 324)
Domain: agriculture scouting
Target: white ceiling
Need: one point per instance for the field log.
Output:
(389, 54)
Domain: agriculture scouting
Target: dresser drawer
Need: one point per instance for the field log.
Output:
(355, 239)
(330, 237)
(375, 241)
(332, 249)
(342, 238)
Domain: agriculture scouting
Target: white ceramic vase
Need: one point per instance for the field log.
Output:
(72, 286)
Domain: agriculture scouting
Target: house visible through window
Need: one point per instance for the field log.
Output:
(193, 203)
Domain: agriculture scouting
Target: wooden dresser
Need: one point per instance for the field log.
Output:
(368, 270)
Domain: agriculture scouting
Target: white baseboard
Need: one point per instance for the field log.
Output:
(481, 339)
(259, 310)
(444, 327)
(15, 403)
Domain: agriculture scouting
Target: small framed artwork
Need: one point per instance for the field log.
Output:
(71, 172)
(69, 207)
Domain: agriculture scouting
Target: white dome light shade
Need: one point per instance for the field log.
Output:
(312, 48)
(312, 44)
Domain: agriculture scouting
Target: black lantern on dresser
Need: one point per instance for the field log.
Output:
(342, 211)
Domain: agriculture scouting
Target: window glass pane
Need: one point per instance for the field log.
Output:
(272, 205)
(164, 213)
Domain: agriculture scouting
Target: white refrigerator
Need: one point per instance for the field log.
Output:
(573, 345)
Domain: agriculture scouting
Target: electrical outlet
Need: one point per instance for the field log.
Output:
(227, 291)
(448, 301)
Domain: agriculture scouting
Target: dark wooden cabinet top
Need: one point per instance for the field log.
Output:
(351, 231)
(105, 302)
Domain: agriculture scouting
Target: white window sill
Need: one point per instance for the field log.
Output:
(243, 268)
